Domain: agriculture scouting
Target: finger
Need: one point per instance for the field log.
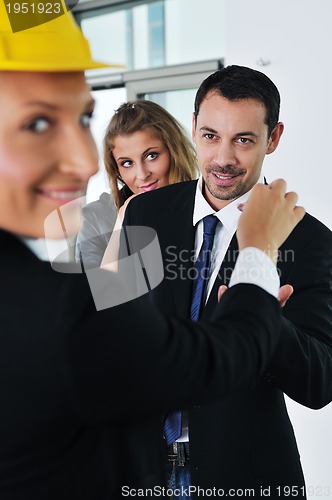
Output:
(284, 293)
(278, 185)
(299, 213)
(292, 197)
(221, 290)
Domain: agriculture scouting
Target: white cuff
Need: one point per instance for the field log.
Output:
(253, 266)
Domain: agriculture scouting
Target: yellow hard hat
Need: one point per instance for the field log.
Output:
(55, 45)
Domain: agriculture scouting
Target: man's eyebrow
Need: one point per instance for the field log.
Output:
(208, 129)
(238, 134)
(246, 132)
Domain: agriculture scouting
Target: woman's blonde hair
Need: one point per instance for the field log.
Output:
(139, 115)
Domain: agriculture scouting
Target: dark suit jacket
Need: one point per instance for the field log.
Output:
(83, 392)
(246, 439)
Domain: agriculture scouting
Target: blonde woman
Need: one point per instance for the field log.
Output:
(145, 148)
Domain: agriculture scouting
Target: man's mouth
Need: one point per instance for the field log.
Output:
(220, 176)
(225, 180)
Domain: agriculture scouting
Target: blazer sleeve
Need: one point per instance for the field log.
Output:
(131, 361)
(302, 362)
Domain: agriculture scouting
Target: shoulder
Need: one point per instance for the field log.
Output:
(310, 237)
(101, 213)
(172, 196)
(37, 281)
(102, 206)
(311, 228)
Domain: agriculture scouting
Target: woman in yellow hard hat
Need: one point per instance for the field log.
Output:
(82, 392)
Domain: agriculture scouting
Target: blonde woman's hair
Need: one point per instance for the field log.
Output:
(139, 115)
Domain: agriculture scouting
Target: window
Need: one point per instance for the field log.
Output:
(150, 34)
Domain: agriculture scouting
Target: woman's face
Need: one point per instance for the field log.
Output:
(47, 153)
(143, 161)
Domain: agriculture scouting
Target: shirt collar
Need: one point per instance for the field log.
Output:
(47, 249)
(228, 216)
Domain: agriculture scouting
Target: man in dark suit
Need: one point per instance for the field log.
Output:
(244, 440)
(83, 392)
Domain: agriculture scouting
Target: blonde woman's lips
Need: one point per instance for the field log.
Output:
(149, 187)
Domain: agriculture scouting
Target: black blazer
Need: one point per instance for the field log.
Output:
(245, 440)
(83, 392)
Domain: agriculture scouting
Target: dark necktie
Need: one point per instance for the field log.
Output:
(173, 422)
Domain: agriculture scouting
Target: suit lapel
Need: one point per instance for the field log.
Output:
(223, 277)
(179, 253)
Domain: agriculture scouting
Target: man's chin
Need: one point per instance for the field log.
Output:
(225, 193)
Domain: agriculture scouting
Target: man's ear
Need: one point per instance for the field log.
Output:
(275, 138)
(193, 128)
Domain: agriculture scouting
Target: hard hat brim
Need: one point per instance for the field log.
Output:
(56, 67)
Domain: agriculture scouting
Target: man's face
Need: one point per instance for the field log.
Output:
(47, 153)
(231, 140)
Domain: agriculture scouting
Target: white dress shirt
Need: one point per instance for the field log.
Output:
(47, 249)
(253, 266)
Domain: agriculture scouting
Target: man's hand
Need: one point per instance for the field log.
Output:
(268, 218)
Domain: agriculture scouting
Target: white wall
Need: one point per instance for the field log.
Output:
(296, 35)
(194, 32)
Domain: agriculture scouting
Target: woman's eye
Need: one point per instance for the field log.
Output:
(86, 119)
(38, 125)
(126, 164)
(152, 156)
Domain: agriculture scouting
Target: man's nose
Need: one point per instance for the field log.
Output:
(224, 154)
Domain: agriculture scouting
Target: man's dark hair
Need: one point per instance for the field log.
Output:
(238, 82)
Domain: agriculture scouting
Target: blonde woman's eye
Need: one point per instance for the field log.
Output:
(152, 156)
(126, 164)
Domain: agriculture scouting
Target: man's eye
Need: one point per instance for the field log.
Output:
(244, 140)
(38, 125)
(86, 119)
(209, 136)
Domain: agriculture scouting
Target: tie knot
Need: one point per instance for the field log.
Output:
(210, 222)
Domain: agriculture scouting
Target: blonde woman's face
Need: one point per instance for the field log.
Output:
(142, 160)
